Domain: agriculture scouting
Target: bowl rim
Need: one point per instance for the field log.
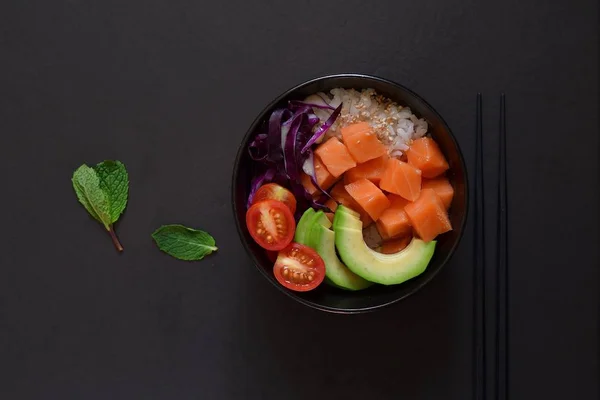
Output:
(242, 149)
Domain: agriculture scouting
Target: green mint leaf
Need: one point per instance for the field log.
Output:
(184, 243)
(87, 187)
(114, 181)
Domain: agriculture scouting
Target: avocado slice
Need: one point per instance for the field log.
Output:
(386, 269)
(322, 239)
(303, 226)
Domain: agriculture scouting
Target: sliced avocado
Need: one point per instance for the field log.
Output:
(353, 222)
(386, 269)
(303, 225)
(322, 239)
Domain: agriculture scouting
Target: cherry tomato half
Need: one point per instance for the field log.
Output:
(271, 224)
(273, 191)
(299, 268)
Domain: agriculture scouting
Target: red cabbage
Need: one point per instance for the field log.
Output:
(259, 147)
(289, 151)
(321, 131)
(258, 181)
(283, 150)
(274, 138)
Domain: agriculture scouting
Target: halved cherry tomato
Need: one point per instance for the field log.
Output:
(273, 191)
(299, 268)
(271, 224)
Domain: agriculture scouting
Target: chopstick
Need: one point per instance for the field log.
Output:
(479, 338)
(502, 299)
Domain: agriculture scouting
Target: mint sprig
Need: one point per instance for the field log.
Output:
(103, 191)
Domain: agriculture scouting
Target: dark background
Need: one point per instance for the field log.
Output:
(170, 87)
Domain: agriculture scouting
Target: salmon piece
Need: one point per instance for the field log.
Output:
(394, 221)
(362, 142)
(371, 170)
(395, 245)
(332, 205)
(442, 188)
(358, 127)
(425, 154)
(324, 178)
(402, 179)
(335, 156)
(428, 215)
(340, 194)
(369, 197)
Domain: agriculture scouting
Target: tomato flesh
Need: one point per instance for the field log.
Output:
(271, 224)
(299, 268)
(273, 191)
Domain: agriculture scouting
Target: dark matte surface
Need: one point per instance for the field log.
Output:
(170, 88)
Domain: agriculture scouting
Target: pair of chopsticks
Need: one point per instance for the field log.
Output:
(480, 349)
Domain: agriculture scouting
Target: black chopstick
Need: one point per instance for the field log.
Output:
(479, 341)
(502, 276)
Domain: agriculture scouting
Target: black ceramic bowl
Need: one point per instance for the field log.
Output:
(332, 299)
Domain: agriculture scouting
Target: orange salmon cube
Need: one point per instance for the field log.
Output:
(402, 179)
(442, 188)
(394, 221)
(340, 194)
(371, 170)
(369, 197)
(395, 245)
(428, 215)
(335, 156)
(425, 154)
(362, 142)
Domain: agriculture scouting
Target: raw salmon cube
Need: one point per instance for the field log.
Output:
(340, 194)
(394, 221)
(371, 170)
(395, 245)
(428, 215)
(442, 188)
(402, 179)
(362, 143)
(335, 156)
(425, 154)
(369, 197)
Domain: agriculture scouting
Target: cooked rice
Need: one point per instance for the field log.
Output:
(396, 126)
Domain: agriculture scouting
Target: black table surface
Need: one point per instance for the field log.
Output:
(170, 87)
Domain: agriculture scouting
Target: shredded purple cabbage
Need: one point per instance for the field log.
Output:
(324, 128)
(259, 147)
(258, 181)
(283, 152)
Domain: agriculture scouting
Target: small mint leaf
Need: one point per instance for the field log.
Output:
(184, 243)
(87, 187)
(114, 181)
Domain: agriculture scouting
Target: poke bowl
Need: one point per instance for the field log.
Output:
(349, 193)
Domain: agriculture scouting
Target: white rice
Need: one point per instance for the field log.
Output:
(395, 126)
